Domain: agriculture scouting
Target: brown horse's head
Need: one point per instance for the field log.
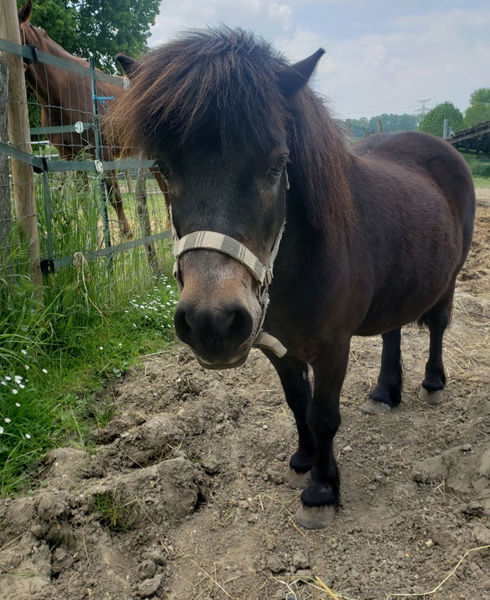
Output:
(212, 109)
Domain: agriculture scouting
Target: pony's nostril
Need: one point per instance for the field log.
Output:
(241, 325)
(182, 324)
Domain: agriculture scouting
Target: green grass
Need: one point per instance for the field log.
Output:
(112, 511)
(482, 182)
(53, 366)
(479, 165)
(97, 320)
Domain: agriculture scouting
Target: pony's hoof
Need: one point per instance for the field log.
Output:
(431, 398)
(372, 407)
(315, 517)
(296, 480)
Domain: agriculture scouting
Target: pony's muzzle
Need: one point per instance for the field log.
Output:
(218, 314)
(220, 336)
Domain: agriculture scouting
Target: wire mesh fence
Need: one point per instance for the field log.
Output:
(103, 221)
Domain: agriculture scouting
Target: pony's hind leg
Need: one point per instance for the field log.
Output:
(437, 319)
(388, 391)
(293, 374)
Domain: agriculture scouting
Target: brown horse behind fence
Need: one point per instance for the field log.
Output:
(373, 237)
(66, 98)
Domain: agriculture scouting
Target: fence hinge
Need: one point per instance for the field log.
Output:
(34, 55)
(42, 167)
(47, 266)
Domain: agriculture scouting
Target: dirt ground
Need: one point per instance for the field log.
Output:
(184, 497)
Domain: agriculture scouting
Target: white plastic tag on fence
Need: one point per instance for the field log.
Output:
(99, 167)
(79, 127)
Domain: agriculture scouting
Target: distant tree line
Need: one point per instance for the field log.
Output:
(386, 122)
(432, 122)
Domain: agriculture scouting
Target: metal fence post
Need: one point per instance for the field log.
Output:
(99, 156)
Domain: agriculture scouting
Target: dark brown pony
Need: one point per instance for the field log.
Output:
(373, 239)
(66, 98)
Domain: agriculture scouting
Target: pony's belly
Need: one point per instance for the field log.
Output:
(386, 316)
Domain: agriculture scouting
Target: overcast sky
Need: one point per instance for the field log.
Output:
(382, 56)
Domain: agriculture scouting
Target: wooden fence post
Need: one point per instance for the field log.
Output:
(4, 168)
(18, 128)
(144, 219)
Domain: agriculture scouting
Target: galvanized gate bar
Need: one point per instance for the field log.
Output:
(33, 54)
(59, 129)
(93, 254)
(74, 165)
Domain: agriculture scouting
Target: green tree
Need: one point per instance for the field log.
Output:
(392, 122)
(433, 121)
(106, 28)
(96, 27)
(359, 128)
(479, 109)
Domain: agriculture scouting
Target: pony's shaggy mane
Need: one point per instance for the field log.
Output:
(224, 82)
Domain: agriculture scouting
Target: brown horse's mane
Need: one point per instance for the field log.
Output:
(39, 37)
(226, 81)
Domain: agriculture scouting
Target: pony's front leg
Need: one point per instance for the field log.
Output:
(293, 374)
(320, 499)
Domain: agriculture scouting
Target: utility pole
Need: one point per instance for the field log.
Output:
(422, 111)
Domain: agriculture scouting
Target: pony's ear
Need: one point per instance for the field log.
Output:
(129, 65)
(25, 12)
(293, 78)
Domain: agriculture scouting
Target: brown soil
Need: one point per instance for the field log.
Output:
(185, 497)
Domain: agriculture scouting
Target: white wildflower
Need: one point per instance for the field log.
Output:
(14, 391)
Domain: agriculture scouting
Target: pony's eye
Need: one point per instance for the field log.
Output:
(278, 167)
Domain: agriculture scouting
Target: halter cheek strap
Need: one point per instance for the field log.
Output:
(212, 240)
